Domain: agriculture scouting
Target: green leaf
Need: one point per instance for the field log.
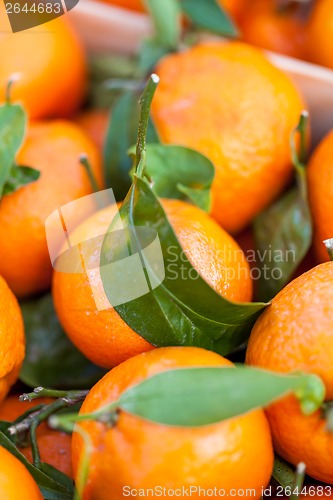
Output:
(201, 396)
(209, 15)
(51, 359)
(185, 308)
(20, 176)
(181, 173)
(283, 232)
(12, 132)
(56, 475)
(166, 17)
(283, 472)
(51, 489)
(121, 135)
(151, 51)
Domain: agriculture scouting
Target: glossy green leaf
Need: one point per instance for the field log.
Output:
(181, 173)
(201, 396)
(166, 17)
(208, 14)
(12, 131)
(185, 308)
(283, 473)
(283, 232)
(18, 177)
(51, 489)
(51, 359)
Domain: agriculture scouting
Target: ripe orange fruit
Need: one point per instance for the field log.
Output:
(228, 102)
(54, 149)
(50, 63)
(95, 123)
(222, 455)
(319, 32)
(54, 446)
(272, 29)
(102, 335)
(320, 185)
(12, 341)
(295, 333)
(15, 480)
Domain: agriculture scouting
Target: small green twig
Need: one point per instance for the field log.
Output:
(13, 78)
(87, 166)
(329, 247)
(41, 392)
(298, 481)
(145, 102)
(299, 159)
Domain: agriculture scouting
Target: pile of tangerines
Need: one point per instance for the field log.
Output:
(225, 100)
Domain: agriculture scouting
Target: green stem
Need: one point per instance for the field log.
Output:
(107, 415)
(10, 83)
(145, 103)
(34, 443)
(87, 166)
(298, 481)
(329, 247)
(328, 415)
(299, 159)
(40, 392)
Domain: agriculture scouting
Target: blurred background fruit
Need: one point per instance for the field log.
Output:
(49, 62)
(164, 455)
(103, 336)
(294, 334)
(95, 123)
(278, 29)
(320, 185)
(12, 342)
(53, 148)
(54, 447)
(320, 33)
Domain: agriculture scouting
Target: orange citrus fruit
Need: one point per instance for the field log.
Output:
(272, 29)
(54, 149)
(101, 334)
(320, 185)
(228, 102)
(95, 123)
(319, 33)
(12, 341)
(54, 447)
(295, 333)
(50, 66)
(16, 481)
(221, 456)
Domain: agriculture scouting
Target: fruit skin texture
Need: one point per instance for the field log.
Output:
(141, 454)
(12, 340)
(319, 33)
(295, 334)
(264, 26)
(16, 481)
(54, 149)
(320, 186)
(51, 65)
(228, 102)
(103, 336)
(54, 446)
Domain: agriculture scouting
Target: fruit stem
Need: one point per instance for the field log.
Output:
(329, 247)
(298, 481)
(299, 159)
(145, 104)
(13, 78)
(40, 392)
(328, 415)
(87, 166)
